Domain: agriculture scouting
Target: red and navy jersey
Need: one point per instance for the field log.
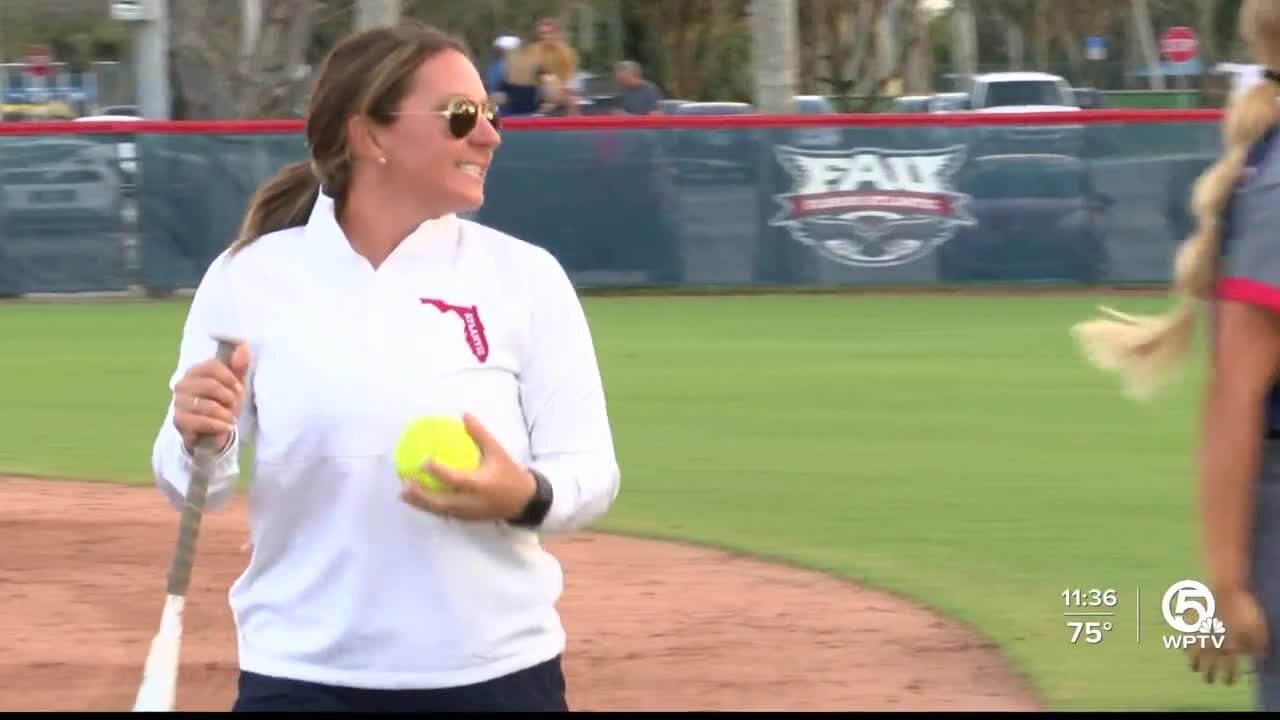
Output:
(1249, 270)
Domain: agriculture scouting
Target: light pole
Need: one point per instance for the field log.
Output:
(150, 23)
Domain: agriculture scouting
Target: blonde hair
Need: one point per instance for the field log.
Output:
(367, 73)
(1146, 350)
(522, 67)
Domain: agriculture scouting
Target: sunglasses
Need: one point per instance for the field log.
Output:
(463, 114)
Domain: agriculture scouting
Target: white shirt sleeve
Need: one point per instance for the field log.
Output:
(212, 312)
(564, 403)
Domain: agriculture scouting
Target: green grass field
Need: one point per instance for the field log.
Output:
(954, 449)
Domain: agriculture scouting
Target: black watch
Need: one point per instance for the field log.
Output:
(539, 505)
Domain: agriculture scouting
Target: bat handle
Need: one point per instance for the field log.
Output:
(197, 491)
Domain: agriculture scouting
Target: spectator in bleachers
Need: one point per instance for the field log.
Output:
(551, 53)
(518, 92)
(502, 49)
(638, 96)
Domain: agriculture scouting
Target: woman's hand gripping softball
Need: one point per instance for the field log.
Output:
(208, 398)
(496, 489)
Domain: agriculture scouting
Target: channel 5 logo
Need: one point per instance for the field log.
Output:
(1188, 607)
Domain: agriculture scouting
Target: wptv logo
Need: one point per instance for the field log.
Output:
(1188, 607)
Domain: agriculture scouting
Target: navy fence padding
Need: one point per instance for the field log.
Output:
(853, 205)
(194, 190)
(62, 219)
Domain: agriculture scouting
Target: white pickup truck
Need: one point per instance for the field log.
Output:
(1020, 92)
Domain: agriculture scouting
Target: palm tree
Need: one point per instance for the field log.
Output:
(774, 55)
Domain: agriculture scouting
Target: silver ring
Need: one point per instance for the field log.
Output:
(195, 403)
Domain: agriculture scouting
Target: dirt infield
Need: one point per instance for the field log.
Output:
(652, 625)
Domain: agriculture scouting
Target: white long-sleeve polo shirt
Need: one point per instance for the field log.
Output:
(347, 584)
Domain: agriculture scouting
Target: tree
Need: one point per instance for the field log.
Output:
(240, 59)
(1146, 38)
(773, 53)
(964, 53)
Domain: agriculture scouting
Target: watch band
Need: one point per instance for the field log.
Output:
(538, 506)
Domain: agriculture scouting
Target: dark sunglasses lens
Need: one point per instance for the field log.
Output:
(462, 120)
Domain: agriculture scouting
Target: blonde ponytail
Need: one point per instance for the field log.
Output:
(1146, 350)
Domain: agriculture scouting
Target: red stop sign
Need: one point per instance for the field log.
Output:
(1179, 44)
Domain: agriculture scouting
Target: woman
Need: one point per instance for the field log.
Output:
(1231, 259)
(518, 90)
(364, 301)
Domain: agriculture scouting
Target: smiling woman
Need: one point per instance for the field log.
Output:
(360, 303)
(374, 123)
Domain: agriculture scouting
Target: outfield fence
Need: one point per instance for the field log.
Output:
(1092, 197)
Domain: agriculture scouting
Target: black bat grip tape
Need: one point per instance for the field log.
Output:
(193, 507)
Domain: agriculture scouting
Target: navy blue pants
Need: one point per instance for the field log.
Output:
(540, 688)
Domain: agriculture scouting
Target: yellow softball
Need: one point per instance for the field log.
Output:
(441, 439)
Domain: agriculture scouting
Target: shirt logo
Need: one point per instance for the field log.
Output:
(472, 327)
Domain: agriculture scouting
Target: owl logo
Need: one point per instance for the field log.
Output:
(869, 207)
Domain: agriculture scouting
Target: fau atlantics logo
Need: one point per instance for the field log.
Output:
(472, 327)
(870, 207)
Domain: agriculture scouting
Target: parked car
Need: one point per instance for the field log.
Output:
(812, 137)
(58, 181)
(668, 106)
(126, 151)
(118, 110)
(1038, 217)
(948, 102)
(909, 104)
(1020, 92)
(61, 215)
(714, 154)
(1024, 92)
(812, 105)
(1087, 98)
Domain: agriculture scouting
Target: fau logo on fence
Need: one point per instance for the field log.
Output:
(870, 207)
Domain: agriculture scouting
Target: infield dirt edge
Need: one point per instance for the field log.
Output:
(767, 634)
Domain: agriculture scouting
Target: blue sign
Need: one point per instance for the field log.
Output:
(1095, 47)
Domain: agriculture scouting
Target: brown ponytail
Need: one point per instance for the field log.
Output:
(1146, 350)
(282, 202)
